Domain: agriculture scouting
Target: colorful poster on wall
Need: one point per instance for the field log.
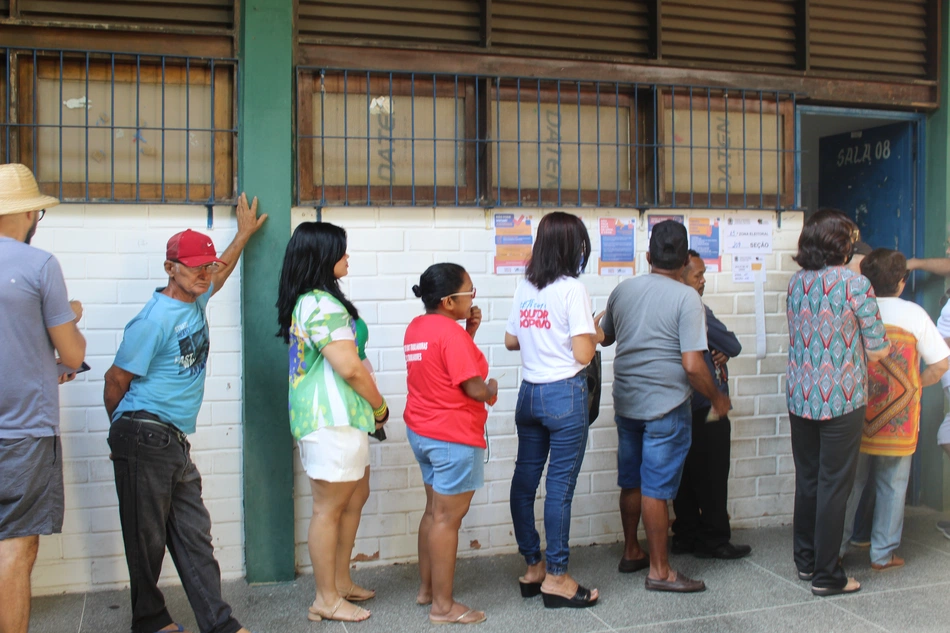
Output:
(747, 236)
(704, 239)
(653, 220)
(512, 243)
(618, 250)
(745, 267)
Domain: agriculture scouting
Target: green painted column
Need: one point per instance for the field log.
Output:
(935, 477)
(265, 170)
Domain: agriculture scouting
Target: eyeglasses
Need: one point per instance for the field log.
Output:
(213, 267)
(40, 214)
(906, 275)
(459, 294)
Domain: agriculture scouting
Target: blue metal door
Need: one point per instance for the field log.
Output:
(870, 175)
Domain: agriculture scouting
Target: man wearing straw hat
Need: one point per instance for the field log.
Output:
(37, 321)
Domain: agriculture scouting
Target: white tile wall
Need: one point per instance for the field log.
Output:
(389, 248)
(112, 258)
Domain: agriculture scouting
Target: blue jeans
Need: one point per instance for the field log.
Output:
(889, 477)
(551, 418)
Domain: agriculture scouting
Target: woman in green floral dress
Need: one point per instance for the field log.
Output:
(333, 404)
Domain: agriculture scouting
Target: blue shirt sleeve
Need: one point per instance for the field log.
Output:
(140, 344)
(864, 304)
(719, 336)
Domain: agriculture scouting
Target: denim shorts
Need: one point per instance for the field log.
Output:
(448, 467)
(651, 453)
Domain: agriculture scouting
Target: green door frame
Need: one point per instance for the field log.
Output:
(936, 467)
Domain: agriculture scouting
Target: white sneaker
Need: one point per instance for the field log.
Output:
(944, 528)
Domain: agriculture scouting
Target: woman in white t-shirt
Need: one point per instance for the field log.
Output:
(551, 324)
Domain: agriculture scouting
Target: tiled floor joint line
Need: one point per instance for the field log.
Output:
(931, 585)
(922, 544)
(713, 616)
(599, 619)
(854, 614)
(800, 585)
(82, 614)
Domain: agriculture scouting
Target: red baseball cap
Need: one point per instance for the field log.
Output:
(191, 248)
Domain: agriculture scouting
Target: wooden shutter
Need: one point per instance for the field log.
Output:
(169, 13)
(753, 32)
(872, 36)
(408, 21)
(600, 27)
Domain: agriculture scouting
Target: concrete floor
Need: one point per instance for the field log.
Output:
(758, 593)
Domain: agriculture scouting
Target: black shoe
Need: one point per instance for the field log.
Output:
(726, 551)
(631, 565)
(581, 600)
(529, 589)
(681, 547)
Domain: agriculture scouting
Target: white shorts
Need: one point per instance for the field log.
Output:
(335, 453)
(943, 433)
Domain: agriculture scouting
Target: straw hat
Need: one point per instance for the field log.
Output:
(19, 192)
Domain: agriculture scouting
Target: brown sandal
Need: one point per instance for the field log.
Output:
(478, 619)
(315, 615)
(350, 596)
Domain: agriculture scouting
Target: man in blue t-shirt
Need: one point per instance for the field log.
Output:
(153, 392)
(37, 322)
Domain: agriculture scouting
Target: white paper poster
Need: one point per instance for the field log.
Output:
(749, 236)
(744, 268)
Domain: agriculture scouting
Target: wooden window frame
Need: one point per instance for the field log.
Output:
(718, 103)
(5, 128)
(636, 189)
(223, 176)
(355, 86)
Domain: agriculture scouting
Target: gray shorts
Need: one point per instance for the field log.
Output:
(31, 486)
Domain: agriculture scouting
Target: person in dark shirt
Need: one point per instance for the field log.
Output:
(702, 523)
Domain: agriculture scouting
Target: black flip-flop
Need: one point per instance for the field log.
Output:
(824, 592)
(581, 600)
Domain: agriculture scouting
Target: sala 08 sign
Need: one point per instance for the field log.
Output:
(860, 155)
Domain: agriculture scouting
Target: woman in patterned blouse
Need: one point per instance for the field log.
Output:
(334, 403)
(834, 329)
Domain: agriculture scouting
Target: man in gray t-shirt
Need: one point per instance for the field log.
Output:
(37, 321)
(659, 325)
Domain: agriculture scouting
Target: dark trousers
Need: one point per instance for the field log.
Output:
(160, 505)
(702, 522)
(826, 455)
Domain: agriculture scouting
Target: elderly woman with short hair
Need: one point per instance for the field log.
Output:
(834, 328)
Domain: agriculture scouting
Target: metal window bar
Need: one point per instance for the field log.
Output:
(550, 142)
(129, 104)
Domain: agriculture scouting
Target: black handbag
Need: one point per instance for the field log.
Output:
(380, 433)
(593, 374)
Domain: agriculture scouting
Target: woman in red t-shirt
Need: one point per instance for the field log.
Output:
(445, 423)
